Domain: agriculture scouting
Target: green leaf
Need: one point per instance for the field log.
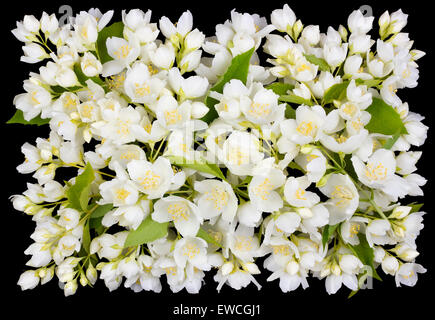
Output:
(202, 166)
(280, 88)
(292, 98)
(83, 78)
(328, 231)
(60, 90)
(294, 165)
(348, 167)
(148, 231)
(114, 30)
(323, 65)
(238, 69)
(18, 117)
(415, 207)
(365, 253)
(100, 211)
(385, 119)
(354, 292)
(203, 234)
(78, 194)
(336, 92)
(290, 113)
(86, 240)
(96, 225)
(369, 83)
(391, 141)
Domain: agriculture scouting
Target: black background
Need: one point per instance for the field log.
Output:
(15, 228)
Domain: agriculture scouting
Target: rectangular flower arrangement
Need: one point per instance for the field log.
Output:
(193, 155)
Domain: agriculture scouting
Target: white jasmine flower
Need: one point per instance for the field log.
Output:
(378, 170)
(118, 191)
(33, 101)
(350, 229)
(130, 216)
(182, 27)
(192, 87)
(376, 232)
(216, 198)
(307, 125)
(153, 179)
(69, 218)
(122, 52)
(191, 250)
(137, 26)
(313, 163)
(244, 244)
(335, 55)
(90, 65)
(408, 274)
(343, 197)
(262, 187)
(248, 214)
(115, 126)
(240, 152)
(183, 213)
(296, 195)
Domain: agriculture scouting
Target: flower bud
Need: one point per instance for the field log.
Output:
(335, 269)
(292, 267)
(326, 270)
(47, 275)
(194, 40)
(350, 264)
(49, 23)
(227, 268)
(20, 202)
(343, 33)
(307, 148)
(33, 53)
(32, 209)
(405, 252)
(283, 19)
(28, 280)
(390, 265)
(252, 268)
(406, 162)
(384, 20)
(417, 54)
(199, 109)
(279, 71)
(379, 254)
(66, 77)
(83, 280)
(398, 21)
(323, 180)
(305, 213)
(400, 212)
(90, 65)
(91, 274)
(311, 34)
(70, 288)
(297, 28)
(163, 57)
(190, 61)
(31, 24)
(398, 230)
